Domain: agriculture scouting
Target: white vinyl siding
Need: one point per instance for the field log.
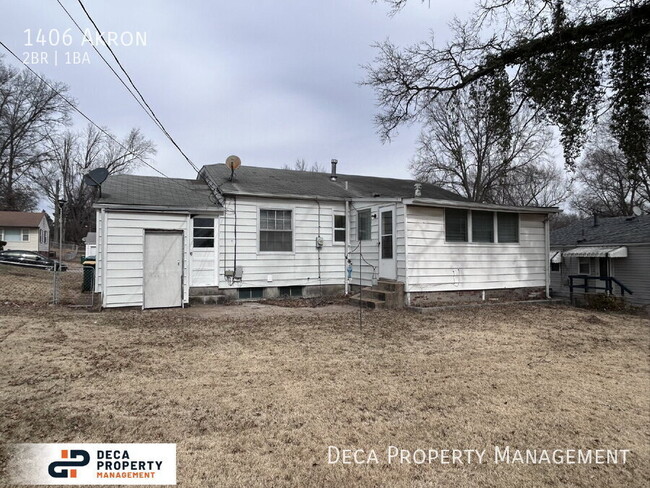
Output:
(271, 269)
(437, 265)
(121, 254)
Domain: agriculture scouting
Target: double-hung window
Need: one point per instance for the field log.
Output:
(276, 233)
(339, 228)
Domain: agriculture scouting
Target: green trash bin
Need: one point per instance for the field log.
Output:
(89, 274)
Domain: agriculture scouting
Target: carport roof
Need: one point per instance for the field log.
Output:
(154, 191)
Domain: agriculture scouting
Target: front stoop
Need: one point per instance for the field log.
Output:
(206, 295)
(385, 294)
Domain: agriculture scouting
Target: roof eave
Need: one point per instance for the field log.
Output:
(156, 208)
(434, 202)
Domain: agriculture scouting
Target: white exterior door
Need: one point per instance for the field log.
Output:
(203, 259)
(387, 261)
(163, 269)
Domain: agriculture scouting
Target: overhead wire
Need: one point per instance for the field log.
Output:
(92, 122)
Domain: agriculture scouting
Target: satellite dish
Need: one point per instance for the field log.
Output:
(96, 177)
(233, 162)
(637, 211)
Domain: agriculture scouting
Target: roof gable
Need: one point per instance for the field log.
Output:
(21, 219)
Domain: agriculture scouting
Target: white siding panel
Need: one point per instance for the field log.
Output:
(299, 267)
(435, 265)
(123, 261)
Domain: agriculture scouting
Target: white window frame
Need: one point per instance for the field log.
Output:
(293, 229)
(24, 233)
(369, 237)
(214, 232)
(580, 262)
(334, 228)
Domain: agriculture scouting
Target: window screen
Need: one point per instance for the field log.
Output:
(508, 224)
(275, 231)
(203, 232)
(456, 225)
(363, 230)
(482, 226)
(339, 228)
(583, 266)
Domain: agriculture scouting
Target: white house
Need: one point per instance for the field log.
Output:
(25, 231)
(283, 232)
(611, 255)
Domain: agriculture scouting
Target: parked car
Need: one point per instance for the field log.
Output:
(30, 259)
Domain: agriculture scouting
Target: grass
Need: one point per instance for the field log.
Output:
(253, 395)
(22, 284)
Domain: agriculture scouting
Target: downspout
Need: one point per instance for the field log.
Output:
(547, 265)
(346, 247)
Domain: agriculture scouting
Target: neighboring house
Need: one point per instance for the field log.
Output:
(25, 231)
(285, 232)
(91, 244)
(617, 247)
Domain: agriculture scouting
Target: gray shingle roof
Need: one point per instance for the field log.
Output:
(136, 190)
(611, 230)
(271, 181)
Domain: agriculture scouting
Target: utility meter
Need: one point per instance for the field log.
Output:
(319, 242)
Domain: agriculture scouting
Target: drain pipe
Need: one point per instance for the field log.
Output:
(547, 266)
(346, 247)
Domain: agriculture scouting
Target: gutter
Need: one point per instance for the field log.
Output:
(156, 208)
(433, 202)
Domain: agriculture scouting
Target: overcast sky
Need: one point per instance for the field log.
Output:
(268, 80)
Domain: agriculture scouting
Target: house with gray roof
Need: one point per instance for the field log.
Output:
(612, 250)
(260, 232)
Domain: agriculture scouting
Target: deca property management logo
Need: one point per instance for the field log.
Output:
(71, 459)
(93, 464)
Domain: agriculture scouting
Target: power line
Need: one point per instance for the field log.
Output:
(214, 188)
(106, 61)
(153, 114)
(74, 107)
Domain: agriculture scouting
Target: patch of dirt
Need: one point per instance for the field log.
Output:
(254, 394)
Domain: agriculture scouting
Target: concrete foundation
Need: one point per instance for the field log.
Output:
(437, 298)
(310, 291)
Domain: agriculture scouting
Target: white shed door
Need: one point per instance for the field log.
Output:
(163, 269)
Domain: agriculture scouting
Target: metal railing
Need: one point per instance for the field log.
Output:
(610, 281)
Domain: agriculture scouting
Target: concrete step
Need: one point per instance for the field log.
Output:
(208, 299)
(377, 294)
(390, 285)
(372, 303)
(196, 291)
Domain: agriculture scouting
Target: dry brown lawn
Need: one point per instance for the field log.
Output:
(253, 395)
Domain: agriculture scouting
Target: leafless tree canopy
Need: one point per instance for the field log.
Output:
(463, 148)
(302, 165)
(30, 112)
(70, 155)
(606, 186)
(567, 57)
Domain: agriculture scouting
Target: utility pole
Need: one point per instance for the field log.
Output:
(57, 218)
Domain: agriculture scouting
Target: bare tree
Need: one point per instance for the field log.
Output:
(464, 148)
(302, 165)
(565, 57)
(30, 113)
(607, 186)
(71, 155)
